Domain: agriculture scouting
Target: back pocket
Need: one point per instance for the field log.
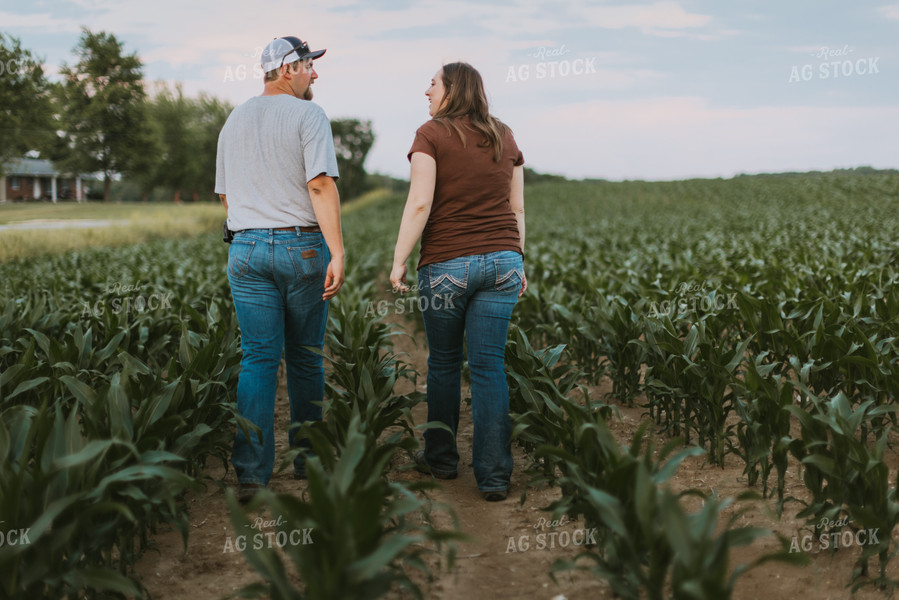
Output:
(239, 257)
(509, 272)
(307, 261)
(448, 280)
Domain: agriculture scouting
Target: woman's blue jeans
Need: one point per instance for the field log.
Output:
(470, 298)
(277, 281)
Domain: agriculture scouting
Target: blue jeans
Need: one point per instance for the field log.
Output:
(277, 280)
(471, 297)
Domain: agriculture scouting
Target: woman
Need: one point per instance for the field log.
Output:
(466, 202)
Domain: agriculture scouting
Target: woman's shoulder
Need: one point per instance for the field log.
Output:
(429, 126)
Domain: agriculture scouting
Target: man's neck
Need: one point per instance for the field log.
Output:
(277, 87)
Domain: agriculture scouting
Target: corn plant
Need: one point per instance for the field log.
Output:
(695, 379)
(846, 477)
(539, 397)
(363, 371)
(772, 335)
(763, 431)
(122, 410)
(593, 455)
(618, 323)
(87, 505)
(365, 532)
(701, 547)
(647, 542)
(668, 402)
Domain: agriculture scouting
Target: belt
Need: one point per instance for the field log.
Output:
(312, 229)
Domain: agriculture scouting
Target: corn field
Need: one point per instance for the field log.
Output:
(753, 319)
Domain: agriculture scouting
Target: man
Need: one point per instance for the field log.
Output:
(275, 173)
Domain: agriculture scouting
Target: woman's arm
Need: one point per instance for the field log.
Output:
(516, 200)
(423, 178)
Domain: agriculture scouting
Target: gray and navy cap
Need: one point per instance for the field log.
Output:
(285, 50)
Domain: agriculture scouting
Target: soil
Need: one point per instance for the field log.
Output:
(496, 564)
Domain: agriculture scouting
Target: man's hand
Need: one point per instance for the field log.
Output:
(333, 278)
(326, 205)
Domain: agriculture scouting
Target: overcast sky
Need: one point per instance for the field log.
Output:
(664, 89)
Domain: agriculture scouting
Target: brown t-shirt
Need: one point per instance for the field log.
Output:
(470, 213)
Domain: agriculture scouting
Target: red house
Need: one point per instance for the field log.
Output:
(26, 179)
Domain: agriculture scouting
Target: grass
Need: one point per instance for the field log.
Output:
(131, 223)
(29, 211)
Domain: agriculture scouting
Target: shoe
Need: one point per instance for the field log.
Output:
(300, 473)
(246, 491)
(496, 496)
(421, 466)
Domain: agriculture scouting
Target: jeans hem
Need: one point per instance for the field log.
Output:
(446, 474)
(251, 482)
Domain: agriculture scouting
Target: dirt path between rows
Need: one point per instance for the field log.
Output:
(491, 567)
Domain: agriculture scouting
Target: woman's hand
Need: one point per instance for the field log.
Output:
(524, 284)
(398, 278)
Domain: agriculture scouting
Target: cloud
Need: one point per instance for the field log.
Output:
(43, 22)
(890, 11)
(649, 18)
(677, 137)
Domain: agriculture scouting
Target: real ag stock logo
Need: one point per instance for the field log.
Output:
(551, 65)
(548, 537)
(14, 537)
(842, 538)
(267, 539)
(694, 297)
(404, 304)
(834, 63)
(12, 67)
(119, 298)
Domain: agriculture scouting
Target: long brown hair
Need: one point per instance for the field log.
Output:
(465, 97)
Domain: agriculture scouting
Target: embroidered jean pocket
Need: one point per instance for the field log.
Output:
(448, 281)
(239, 257)
(509, 274)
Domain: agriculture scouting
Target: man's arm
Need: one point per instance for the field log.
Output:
(224, 200)
(326, 205)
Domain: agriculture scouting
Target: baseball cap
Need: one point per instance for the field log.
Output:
(285, 50)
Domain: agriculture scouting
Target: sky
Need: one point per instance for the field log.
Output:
(656, 89)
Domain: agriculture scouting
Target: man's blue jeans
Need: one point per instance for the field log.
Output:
(471, 297)
(277, 281)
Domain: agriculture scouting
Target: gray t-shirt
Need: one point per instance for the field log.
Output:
(268, 150)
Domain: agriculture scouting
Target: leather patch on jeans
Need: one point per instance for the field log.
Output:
(308, 253)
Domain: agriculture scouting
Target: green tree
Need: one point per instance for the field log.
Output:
(26, 121)
(187, 131)
(352, 141)
(103, 105)
(172, 117)
(532, 176)
(211, 116)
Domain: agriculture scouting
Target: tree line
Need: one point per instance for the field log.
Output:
(101, 117)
